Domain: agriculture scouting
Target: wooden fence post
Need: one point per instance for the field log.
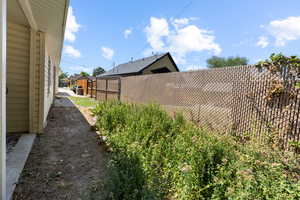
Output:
(96, 93)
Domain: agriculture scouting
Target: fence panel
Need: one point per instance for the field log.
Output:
(108, 88)
(229, 99)
(91, 88)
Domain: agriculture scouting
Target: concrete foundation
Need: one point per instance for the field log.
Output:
(15, 162)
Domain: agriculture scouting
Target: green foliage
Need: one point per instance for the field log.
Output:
(84, 101)
(216, 62)
(97, 71)
(63, 75)
(279, 63)
(286, 70)
(84, 74)
(155, 156)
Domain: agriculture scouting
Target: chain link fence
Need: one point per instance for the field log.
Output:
(229, 100)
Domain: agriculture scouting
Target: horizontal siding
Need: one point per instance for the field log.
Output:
(11, 58)
(18, 54)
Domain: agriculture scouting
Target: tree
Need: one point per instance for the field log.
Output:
(62, 78)
(216, 62)
(84, 74)
(63, 75)
(97, 71)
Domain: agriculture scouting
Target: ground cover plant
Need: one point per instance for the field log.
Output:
(156, 156)
(84, 101)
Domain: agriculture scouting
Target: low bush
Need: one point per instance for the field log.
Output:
(155, 156)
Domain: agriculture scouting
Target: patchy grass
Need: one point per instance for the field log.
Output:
(84, 101)
(155, 156)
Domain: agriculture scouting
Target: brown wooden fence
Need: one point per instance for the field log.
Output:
(91, 88)
(108, 88)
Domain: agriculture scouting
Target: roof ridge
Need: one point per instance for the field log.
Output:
(158, 55)
(134, 66)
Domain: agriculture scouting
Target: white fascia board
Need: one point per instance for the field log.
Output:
(25, 5)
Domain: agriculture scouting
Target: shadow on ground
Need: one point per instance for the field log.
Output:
(63, 94)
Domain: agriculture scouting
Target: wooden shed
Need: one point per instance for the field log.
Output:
(83, 82)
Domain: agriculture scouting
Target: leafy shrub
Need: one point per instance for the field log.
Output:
(155, 156)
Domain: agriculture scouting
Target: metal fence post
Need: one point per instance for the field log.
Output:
(119, 92)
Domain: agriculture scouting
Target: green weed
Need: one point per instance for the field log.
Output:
(155, 156)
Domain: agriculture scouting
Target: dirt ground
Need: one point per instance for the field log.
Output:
(66, 160)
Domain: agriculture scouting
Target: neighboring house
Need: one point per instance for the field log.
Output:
(73, 79)
(162, 63)
(64, 82)
(35, 35)
(83, 83)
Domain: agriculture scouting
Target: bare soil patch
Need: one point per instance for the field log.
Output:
(66, 160)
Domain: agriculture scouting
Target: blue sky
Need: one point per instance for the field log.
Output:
(104, 33)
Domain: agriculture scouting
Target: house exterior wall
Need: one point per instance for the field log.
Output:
(164, 62)
(31, 79)
(18, 58)
(49, 80)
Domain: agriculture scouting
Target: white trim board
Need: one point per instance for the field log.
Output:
(25, 5)
(3, 28)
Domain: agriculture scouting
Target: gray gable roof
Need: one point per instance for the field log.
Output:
(133, 66)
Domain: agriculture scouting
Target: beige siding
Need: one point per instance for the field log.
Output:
(164, 62)
(18, 54)
(48, 76)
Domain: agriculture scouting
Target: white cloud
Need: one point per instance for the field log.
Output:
(262, 42)
(182, 38)
(127, 32)
(107, 52)
(180, 22)
(284, 30)
(193, 68)
(71, 51)
(158, 28)
(72, 26)
(193, 39)
(78, 69)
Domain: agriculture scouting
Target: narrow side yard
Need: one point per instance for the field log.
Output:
(65, 160)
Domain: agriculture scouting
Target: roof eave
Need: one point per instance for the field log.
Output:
(166, 54)
(63, 29)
